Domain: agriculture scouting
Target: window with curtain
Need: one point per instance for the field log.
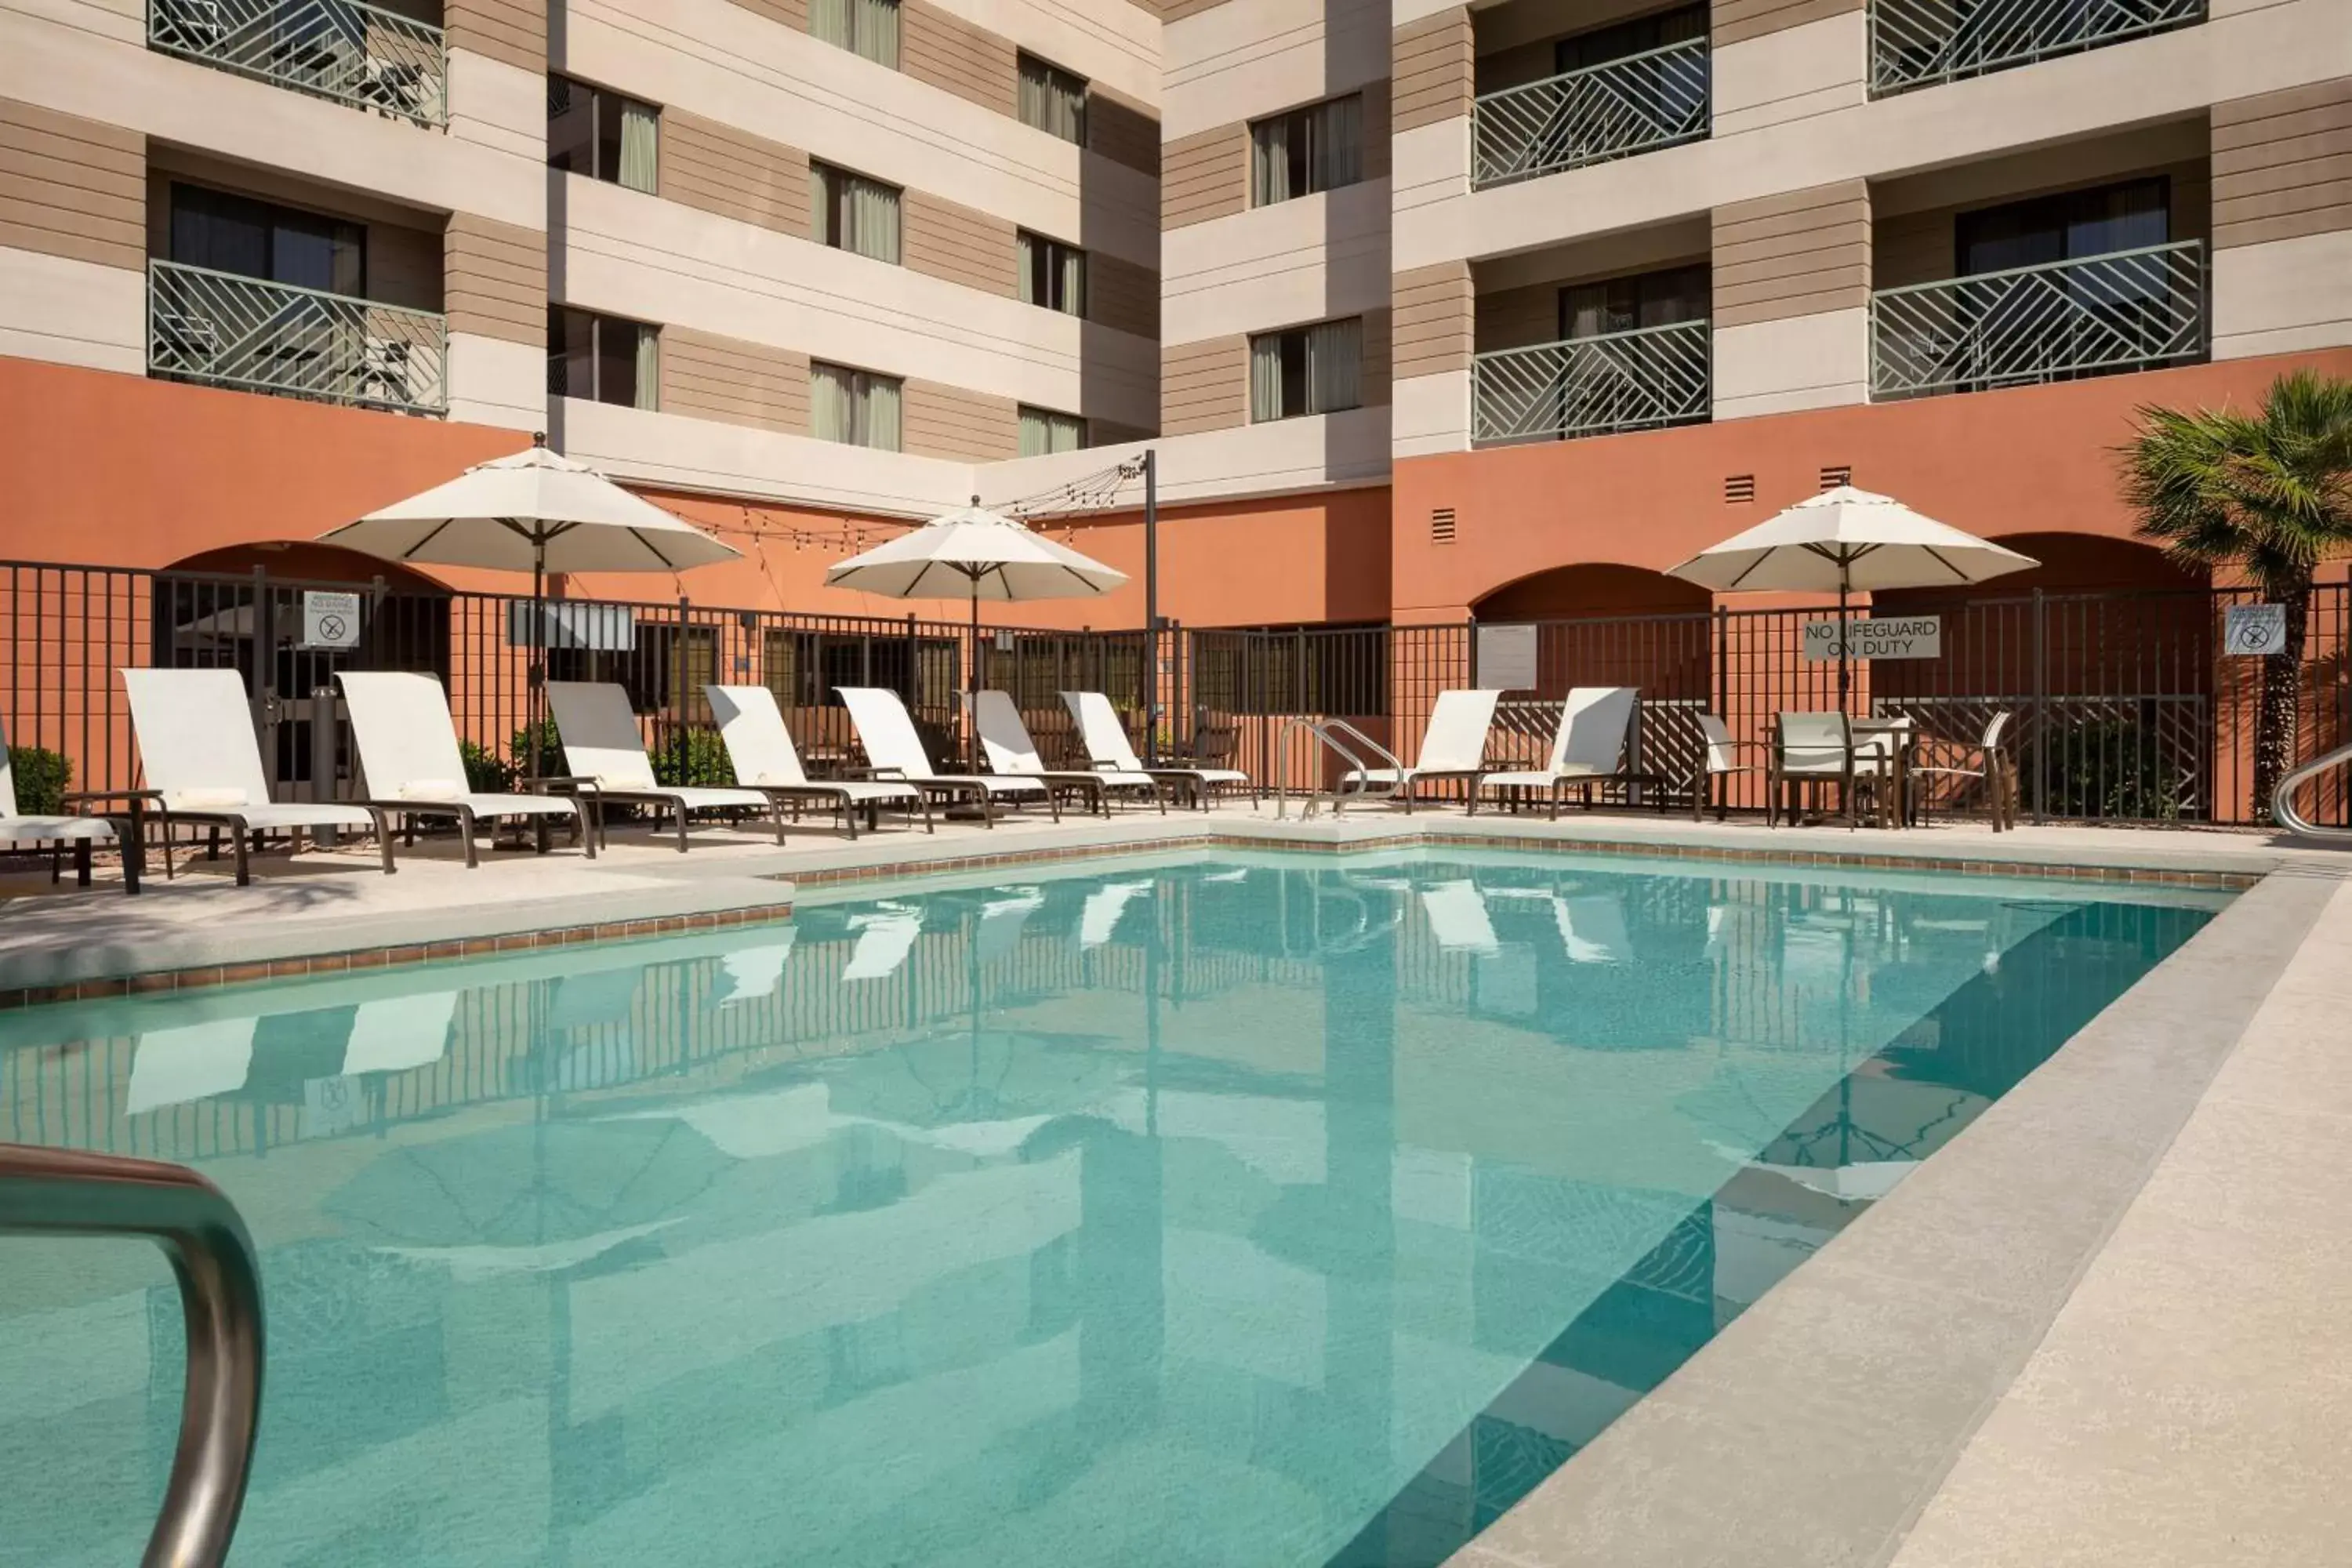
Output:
(1045, 432)
(1307, 370)
(230, 233)
(602, 135)
(850, 212)
(1657, 298)
(1052, 274)
(1319, 148)
(855, 407)
(2066, 226)
(603, 359)
(867, 27)
(1053, 100)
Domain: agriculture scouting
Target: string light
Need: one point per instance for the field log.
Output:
(1101, 490)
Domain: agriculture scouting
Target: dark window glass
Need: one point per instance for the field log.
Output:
(598, 358)
(571, 126)
(1623, 304)
(602, 135)
(1638, 35)
(254, 238)
(616, 361)
(1294, 371)
(2066, 227)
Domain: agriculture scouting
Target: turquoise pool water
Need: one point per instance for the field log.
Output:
(1281, 1214)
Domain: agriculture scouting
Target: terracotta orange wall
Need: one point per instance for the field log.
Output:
(2031, 459)
(118, 470)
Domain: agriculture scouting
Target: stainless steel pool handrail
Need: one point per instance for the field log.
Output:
(1328, 731)
(2283, 811)
(64, 1191)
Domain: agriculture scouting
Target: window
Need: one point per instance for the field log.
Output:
(1306, 370)
(1045, 432)
(261, 239)
(1053, 100)
(850, 212)
(1637, 36)
(856, 407)
(602, 135)
(868, 27)
(603, 359)
(1052, 274)
(1319, 148)
(1624, 304)
(2066, 226)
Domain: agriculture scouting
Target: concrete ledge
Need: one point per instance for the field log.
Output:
(1815, 1429)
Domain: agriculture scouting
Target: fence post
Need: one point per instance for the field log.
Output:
(680, 676)
(2041, 712)
(322, 756)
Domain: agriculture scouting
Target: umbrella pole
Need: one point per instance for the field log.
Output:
(972, 707)
(537, 677)
(1845, 671)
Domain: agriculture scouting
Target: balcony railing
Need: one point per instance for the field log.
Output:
(1918, 43)
(342, 49)
(1613, 111)
(2130, 310)
(223, 330)
(1592, 386)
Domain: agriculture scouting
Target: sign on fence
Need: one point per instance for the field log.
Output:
(329, 620)
(2254, 631)
(1881, 637)
(1507, 659)
(575, 624)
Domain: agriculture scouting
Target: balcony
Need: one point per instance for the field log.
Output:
(1624, 107)
(1637, 380)
(2128, 310)
(340, 49)
(1919, 43)
(219, 328)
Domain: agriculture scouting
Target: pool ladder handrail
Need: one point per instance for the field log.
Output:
(1328, 733)
(2283, 810)
(67, 1191)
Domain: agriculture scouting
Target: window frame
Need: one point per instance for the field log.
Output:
(826, 177)
(1284, 338)
(1023, 61)
(1035, 253)
(269, 216)
(1305, 115)
(861, 392)
(559, 354)
(855, 43)
(602, 100)
(1052, 416)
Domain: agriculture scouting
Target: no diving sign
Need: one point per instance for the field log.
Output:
(1881, 637)
(330, 620)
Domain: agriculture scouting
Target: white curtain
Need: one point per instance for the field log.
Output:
(1270, 160)
(1071, 264)
(1045, 432)
(873, 220)
(1053, 100)
(640, 146)
(831, 408)
(868, 27)
(1315, 149)
(1336, 143)
(649, 367)
(1335, 353)
(1266, 377)
(881, 413)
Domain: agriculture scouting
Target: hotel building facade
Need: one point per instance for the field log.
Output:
(1428, 311)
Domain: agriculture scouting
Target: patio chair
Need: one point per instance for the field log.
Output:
(1810, 752)
(1004, 740)
(1988, 759)
(1453, 747)
(83, 833)
(1104, 739)
(601, 745)
(1589, 748)
(1720, 758)
(409, 757)
(202, 764)
(894, 752)
(761, 746)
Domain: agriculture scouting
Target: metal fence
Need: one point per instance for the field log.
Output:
(1636, 380)
(341, 49)
(1614, 109)
(1919, 43)
(221, 329)
(2124, 707)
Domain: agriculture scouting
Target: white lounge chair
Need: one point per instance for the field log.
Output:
(752, 974)
(1587, 747)
(396, 1034)
(189, 1062)
(198, 752)
(408, 753)
(1592, 928)
(895, 751)
(1458, 918)
(18, 831)
(1104, 739)
(765, 759)
(1453, 747)
(884, 938)
(1005, 740)
(601, 742)
(1098, 920)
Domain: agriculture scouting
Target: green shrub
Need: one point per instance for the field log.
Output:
(2110, 769)
(485, 772)
(692, 758)
(550, 751)
(41, 776)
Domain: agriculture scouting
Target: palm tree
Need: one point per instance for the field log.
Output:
(2269, 493)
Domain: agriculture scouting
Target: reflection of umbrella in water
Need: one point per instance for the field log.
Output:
(530, 1185)
(999, 1076)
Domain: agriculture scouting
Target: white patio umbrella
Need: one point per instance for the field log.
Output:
(1843, 540)
(538, 511)
(974, 553)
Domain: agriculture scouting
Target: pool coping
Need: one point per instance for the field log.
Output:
(729, 892)
(1815, 1429)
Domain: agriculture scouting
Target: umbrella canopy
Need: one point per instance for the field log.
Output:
(974, 552)
(532, 511)
(1846, 538)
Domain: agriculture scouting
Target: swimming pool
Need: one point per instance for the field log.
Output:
(1252, 1212)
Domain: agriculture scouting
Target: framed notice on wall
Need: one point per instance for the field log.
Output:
(1506, 658)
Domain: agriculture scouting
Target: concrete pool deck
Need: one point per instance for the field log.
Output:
(2097, 1328)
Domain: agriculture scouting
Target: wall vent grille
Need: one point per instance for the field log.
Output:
(1841, 475)
(1739, 489)
(1441, 525)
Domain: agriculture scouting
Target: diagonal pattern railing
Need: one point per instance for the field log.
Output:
(1591, 386)
(1918, 43)
(225, 329)
(1611, 111)
(2130, 310)
(343, 50)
